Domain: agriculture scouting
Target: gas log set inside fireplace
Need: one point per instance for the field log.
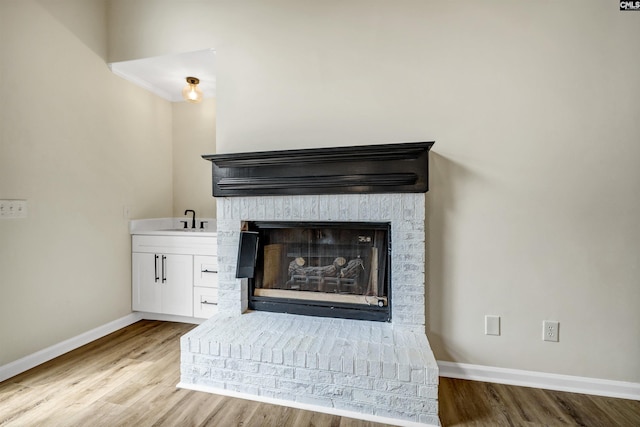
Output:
(334, 269)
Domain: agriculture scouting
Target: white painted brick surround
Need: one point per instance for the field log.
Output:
(371, 368)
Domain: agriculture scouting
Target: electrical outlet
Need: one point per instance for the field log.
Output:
(13, 209)
(491, 325)
(550, 330)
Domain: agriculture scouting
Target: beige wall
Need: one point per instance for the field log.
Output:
(86, 19)
(194, 134)
(534, 207)
(80, 144)
(146, 28)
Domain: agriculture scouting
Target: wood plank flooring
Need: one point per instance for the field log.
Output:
(128, 378)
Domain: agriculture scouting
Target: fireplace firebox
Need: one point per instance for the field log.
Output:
(329, 269)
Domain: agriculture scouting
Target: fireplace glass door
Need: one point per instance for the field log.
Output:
(326, 269)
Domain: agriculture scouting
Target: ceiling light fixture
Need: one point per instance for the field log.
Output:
(191, 92)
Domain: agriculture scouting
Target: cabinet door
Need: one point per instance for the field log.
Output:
(176, 284)
(146, 282)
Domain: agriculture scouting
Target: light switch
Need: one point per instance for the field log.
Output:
(491, 325)
(13, 209)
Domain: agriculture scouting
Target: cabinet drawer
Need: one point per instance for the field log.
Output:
(205, 271)
(205, 302)
(192, 245)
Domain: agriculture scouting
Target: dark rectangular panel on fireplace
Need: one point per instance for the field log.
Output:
(322, 269)
(384, 168)
(247, 251)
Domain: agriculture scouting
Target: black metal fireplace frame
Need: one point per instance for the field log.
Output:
(319, 308)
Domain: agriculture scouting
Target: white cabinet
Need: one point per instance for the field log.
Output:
(165, 270)
(162, 283)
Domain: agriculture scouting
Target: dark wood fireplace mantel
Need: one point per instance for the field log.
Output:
(385, 168)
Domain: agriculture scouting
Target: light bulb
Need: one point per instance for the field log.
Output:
(191, 92)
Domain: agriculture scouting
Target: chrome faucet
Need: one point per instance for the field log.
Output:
(193, 218)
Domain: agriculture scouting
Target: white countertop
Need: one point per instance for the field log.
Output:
(172, 227)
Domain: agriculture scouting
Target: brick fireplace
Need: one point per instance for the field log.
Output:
(380, 371)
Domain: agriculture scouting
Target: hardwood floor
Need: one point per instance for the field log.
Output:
(128, 378)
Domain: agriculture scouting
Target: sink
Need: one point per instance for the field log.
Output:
(186, 230)
(178, 232)
(171, 227)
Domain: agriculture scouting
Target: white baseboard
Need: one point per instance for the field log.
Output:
(24, 364)
(574, 384)
(304, 406)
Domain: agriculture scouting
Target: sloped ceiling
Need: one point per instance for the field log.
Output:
(165, 75)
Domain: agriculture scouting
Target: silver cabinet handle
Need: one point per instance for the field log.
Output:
(210, 271)
(164, 269)
(209, 303)
(155, 267)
